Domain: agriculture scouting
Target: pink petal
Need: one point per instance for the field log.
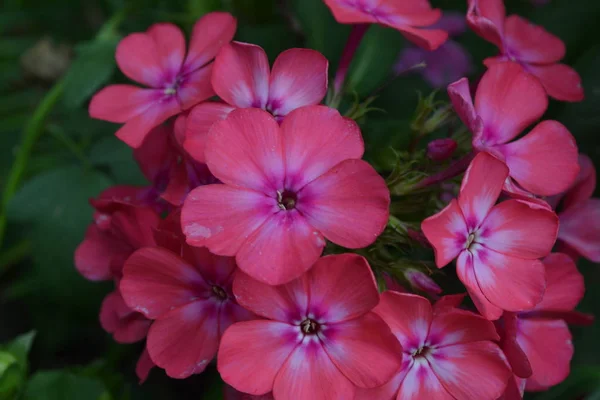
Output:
(139, 59)
(531, 43)
(584, 186)
(364, 350)
(408, 316)
(309, 374)
(564, 283)
(460, 95)
(466, 274)
(388, 391)
(348, 13)
(580, 229)
(196, 87)
(143, 366)
(349, 204)
(252, 353)
(421, 382)
(486, 18)
(341, 287)
(560, 81)
(241, 75)
(480, 188)
(315, 139)
(287, 303)
(508, 100)
(126, 325)
(200, 120)
(459, 326)
(215, 270)
(230, 313)
(516, 229)
(170, 47)
(210, 33)
(156, 155)
(93, 257)
(471, 371)
(447, 233)
(185, 340)
(511, 283)
(282, 249)
(221, 217)
(515, 356)
(135, 226)
(178, 186)
(545, 160)
(298, 78)
(246, 150)
(448, 302)
(549, 367)
(428, 39)
(514, 389)
(136, 129)
(120, 103)
(156, 280)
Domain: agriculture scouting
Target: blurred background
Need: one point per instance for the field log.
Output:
(54, 54)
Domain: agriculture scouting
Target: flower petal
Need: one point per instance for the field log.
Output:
(315, 139)
(298, 78)
(126, 325)
(349, 204)
(428, 39)
(252, 353)
(447, 233)
(486, 18)
(215, 270)
(466, 274)
(531, 43)
(210, 33)
(584, 185)
(241, 75)
(143, 366)
(560, 81)
(200, 120)
(458, 326)
(170, 47)
(512, 350)
(282, 249)
(246, 150)
(93, 257)
(421, 382)
(564, 283)
(460, 95)
(545, 161)
(120, 103)
(580, 229)
(156, 155)
(196, 87)
(138, 58)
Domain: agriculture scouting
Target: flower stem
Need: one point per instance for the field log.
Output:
(454, 169)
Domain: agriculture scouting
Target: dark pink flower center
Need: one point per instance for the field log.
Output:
(286, 199)
(219, 292)
(309, 326)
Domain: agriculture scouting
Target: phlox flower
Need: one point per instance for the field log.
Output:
(497, 246)
(448, 353)
(241, 78)
(285, 189)
(411, 17)
(319, 339)
(544, 161)
(531, 46)
(157, 58)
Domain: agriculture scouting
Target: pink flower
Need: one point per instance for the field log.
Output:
(189, 298)
(286, 188)
(528, 336)
(529, 45)
(544, 161)
(448, 353)
(319, 339)
(125, 325)
(410, 17)
(157, 59)
(230, 393)
(497, 246)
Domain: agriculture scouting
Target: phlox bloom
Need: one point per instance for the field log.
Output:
(319, 339)
(411, 17)
(448, 353)
(157, 58)
(508, 100)
(497, 246)
(285, 189)
(531, 46)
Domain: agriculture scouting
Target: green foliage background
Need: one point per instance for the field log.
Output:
(61, 158)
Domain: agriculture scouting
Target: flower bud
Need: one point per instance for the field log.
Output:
(420, 281)
(441, 149)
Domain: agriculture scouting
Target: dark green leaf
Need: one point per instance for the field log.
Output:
(117, 158)
(62, 385)
(20, 346)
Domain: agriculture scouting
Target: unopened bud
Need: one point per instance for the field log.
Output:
(420, 281)
(441, 149)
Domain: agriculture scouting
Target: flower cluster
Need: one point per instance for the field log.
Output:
(266, 244)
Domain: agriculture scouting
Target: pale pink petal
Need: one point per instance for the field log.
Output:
(200, 120)
(481, 186)
(531, 43)
(545, 160)
(287, 303)
(447, 233)
(298, 78)
(421, 382)
(170, 47)
(486, 18)
(564, 283)
(156, 280)
(408, 316)
(584, 186)
(515, 228)
(309, 374)
(252, 353)
(466, 274)
(315, 139)
(560, 81)
(246, 150)
(136, 129)
(460, 95)
(580, 229)
(471, 371)
(349, 204)
(460, 326)
(221, 217)
(341, 287)
(549, 367)
(126, 325)
(282, 249)
(241, 75)
(120, 103)
(363, 349)
(508, 100)
(185, 340)
(138, 58)
(210, 33)
(195, 87)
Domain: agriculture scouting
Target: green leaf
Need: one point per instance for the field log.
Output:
(93, 67)
(20, 346)
(6, 360)
(62, 385)
(117, 158)
(11, 379)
